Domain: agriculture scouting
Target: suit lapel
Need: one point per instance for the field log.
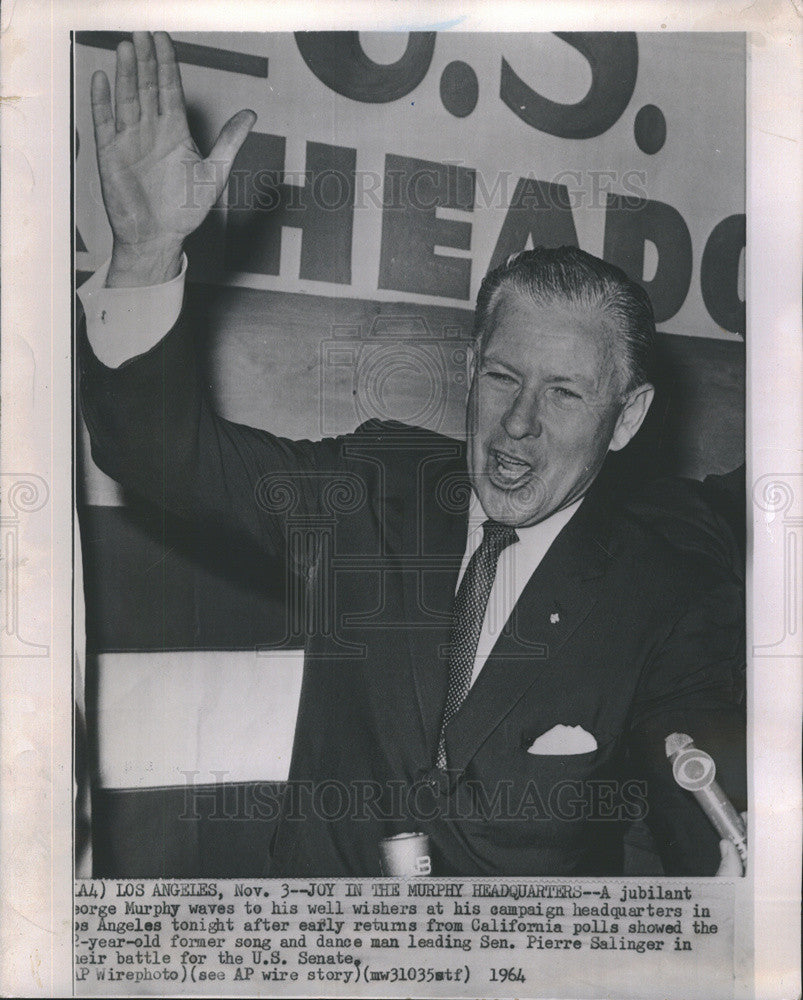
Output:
(555, 602)
(437, 537)
(429, 545)
(422, 515)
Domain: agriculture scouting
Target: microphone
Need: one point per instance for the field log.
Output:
(695, 770)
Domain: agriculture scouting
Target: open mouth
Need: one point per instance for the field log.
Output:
(507, 471)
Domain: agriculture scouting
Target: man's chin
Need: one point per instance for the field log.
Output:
(518, 507)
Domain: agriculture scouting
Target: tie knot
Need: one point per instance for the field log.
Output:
(498, 536)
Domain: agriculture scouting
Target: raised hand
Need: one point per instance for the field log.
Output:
(156, 186)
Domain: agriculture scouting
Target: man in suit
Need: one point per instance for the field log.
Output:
(495, 649)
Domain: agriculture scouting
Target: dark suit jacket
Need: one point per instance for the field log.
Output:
(616, 632)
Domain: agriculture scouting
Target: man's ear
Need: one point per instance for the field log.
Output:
(631, 416)
(472, 357)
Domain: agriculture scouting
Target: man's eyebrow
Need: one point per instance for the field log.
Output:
(492, 359)
(573, 380)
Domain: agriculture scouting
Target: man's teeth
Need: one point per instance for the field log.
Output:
(511, 468)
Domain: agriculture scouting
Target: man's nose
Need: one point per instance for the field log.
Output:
(523, 419)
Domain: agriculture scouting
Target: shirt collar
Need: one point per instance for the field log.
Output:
(534, 534)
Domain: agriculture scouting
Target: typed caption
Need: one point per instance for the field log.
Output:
(399, 937)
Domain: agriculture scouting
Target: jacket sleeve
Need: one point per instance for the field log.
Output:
(153, 429)
(693, 684)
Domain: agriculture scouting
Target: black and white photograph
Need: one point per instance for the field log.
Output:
(400, 500)
(412, 487)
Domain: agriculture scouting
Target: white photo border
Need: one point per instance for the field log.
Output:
(38, 399)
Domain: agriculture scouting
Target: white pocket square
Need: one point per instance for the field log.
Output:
(564, 740)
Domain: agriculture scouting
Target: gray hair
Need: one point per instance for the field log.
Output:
(571, 275)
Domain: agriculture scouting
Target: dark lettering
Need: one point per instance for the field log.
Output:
(719, 274)
(339, 62)
(538, 210)
(629, 224)
(413, 191)
(263, 202)
(613, 58)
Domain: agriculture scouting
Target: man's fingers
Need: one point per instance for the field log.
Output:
(731, 863)
(100, 96)
(231, 138)
(171, 95)
(126, 97)
(147, 80)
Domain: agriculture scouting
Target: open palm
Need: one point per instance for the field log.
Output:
(156, 186)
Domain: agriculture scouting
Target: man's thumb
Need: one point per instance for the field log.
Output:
(731, 864)
(231, 138)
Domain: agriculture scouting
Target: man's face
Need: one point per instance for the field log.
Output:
(543, 408)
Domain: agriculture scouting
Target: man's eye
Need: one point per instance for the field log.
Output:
(499, 376)
(563, 393)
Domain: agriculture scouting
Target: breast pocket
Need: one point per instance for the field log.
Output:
(566, 788)
(564, 765)
(561, 765)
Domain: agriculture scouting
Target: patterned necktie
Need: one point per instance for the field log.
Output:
(467, 617)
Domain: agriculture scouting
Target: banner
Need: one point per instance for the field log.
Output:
(400, 167)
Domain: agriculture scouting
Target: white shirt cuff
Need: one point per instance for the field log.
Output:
(124, 322)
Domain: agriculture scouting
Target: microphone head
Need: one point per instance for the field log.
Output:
(677, 742)
(694, 769)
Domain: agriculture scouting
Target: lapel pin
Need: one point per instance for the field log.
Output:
(554, 618)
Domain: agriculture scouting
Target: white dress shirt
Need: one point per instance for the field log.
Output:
(516, 565)
(122, 323)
